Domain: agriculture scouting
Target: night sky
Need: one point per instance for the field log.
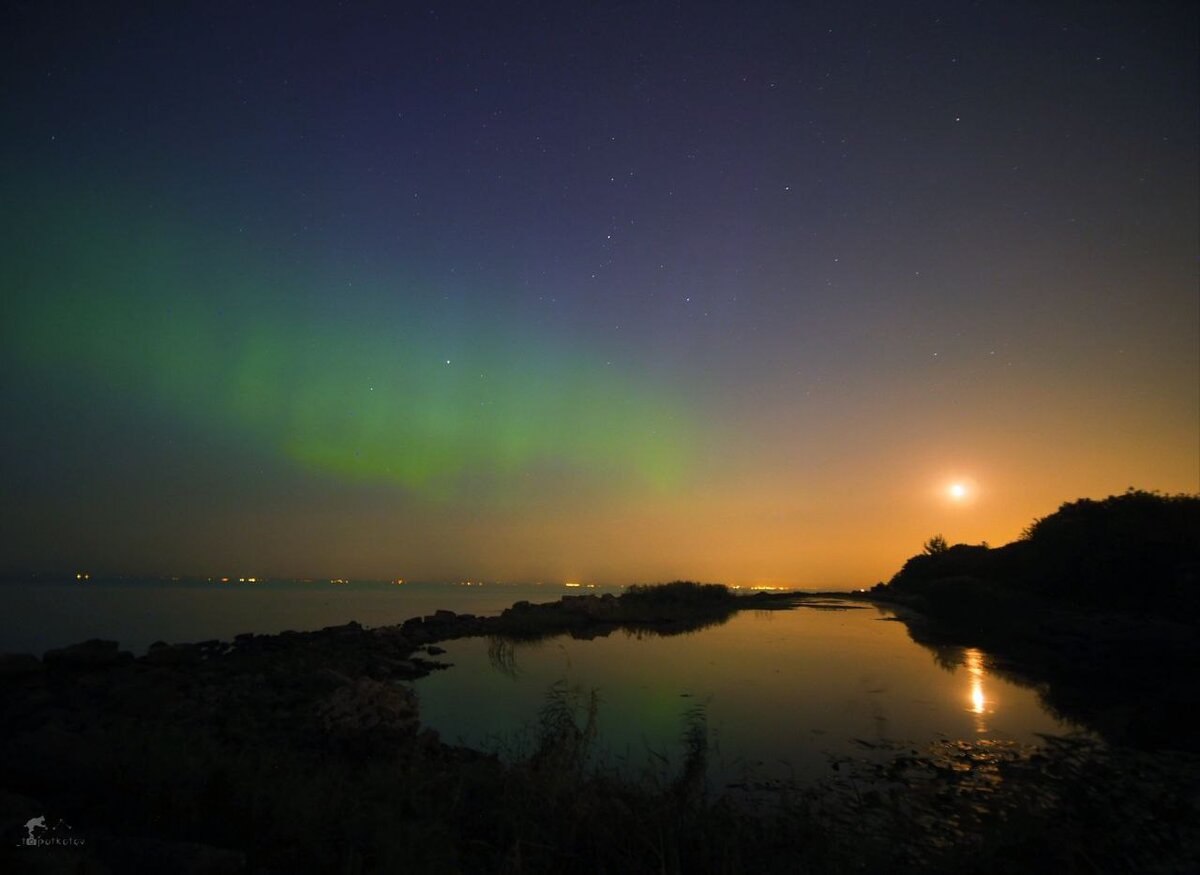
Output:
(611, 292)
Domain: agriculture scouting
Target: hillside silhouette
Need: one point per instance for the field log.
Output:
(1136, 552)
(1097, 605)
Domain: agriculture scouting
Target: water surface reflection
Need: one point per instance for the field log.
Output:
(784, 690)
(980, 707)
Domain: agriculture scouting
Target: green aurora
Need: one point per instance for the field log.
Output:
(400, 392)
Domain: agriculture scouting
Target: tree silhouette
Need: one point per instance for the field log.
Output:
(935, 545)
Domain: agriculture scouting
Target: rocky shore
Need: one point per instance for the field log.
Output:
(303, 752)
(82, 724)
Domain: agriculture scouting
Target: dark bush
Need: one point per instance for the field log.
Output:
(678, 592)
(1135, 552)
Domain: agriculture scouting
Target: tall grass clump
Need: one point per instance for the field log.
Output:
(679, 592)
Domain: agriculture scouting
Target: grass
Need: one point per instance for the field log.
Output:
(666, 609)
(679, 592)
(420, 807)
(231, 757)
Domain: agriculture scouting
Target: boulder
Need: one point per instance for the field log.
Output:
(90, 654)
(593, 607)
(171, 654)
(393, 637)
(403, 667)
(368, 706)
(329, 677)
(351, 628)
(17, 664)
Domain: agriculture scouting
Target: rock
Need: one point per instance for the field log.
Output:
(593, 607)
(90, 654)
(425, 666)
(351, 628)
(212, 648)
(17, 664)
(394, 637)
(368, 706)
(329, 678)
(171, 654)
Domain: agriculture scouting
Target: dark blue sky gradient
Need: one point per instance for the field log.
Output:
(857, 249)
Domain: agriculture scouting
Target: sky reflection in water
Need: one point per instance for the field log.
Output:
(783, 690)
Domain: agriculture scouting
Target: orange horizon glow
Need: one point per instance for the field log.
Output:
(747, 311)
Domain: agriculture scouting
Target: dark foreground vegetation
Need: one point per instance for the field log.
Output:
(1098, 604)
(664, 609)
(304, 753)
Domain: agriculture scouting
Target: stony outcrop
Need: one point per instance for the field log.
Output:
(91, 654)
(337, 695)
(17, 664)
(365, 707)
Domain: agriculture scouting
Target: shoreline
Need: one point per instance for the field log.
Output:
(270, 752)
(1125, 676)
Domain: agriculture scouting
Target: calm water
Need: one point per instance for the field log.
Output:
(35, 617)
(782, 691)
